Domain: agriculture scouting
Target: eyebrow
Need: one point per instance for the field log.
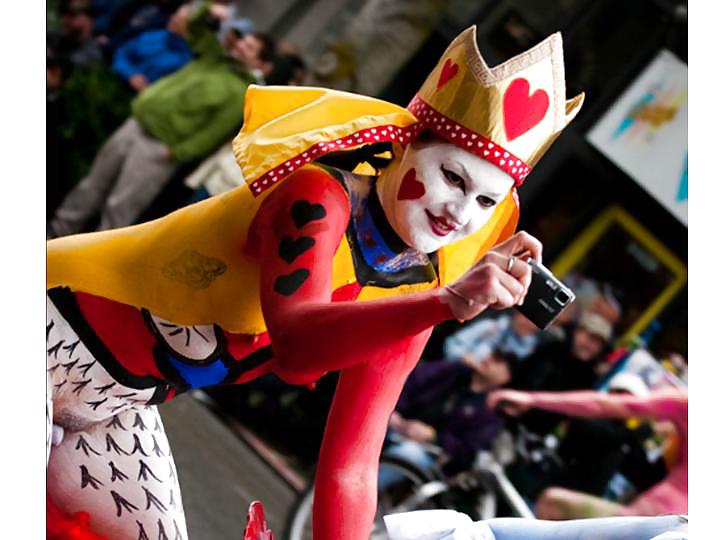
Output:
(468, 177)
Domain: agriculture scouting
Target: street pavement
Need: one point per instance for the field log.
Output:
(220, 474)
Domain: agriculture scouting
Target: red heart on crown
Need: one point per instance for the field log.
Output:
(410, 188)
(449, 70)
(521, 110)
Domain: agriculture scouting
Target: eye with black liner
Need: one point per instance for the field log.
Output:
(453, 178)
(486, 202)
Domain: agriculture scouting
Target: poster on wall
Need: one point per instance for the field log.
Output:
(645, 132)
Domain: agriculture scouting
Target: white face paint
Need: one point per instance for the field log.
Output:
(453, 194)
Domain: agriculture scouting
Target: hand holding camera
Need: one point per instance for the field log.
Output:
(499, 280)
(510, 274)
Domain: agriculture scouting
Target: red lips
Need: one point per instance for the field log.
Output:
(440, 225)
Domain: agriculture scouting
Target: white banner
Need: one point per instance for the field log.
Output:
(645, 132)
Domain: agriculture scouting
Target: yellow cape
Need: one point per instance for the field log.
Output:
(191, 267)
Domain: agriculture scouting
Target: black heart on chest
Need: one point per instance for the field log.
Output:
(303, 212)
(290, 249)
(289, 283)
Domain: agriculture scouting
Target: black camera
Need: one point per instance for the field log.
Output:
(547, 296)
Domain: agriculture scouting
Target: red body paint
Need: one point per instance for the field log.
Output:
(410, 187)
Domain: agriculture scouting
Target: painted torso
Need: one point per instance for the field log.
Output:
(142, 350)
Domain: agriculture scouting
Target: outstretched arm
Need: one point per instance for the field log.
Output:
(661, 405)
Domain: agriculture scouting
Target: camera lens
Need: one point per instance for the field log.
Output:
(561, 297)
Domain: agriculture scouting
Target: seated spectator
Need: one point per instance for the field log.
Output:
(510, 332)
(443, 403)
(153, 54)
(569, 364)
(668, 496)
(74, 39)
(179, 119)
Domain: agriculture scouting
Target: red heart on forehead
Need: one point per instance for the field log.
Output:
(449, 70)
(410, 188)
(521, 110)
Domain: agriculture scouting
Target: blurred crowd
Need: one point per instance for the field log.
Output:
(143, 99)
(140, 93)
(589, 460)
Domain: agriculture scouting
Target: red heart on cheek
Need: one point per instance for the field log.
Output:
(410, 188)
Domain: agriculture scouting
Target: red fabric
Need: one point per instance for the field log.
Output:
(375, 344)
(60, 526)
(257, 528)
(114, 323)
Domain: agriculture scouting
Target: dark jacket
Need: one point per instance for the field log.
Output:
(439, 394)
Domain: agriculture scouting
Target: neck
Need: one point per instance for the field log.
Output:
(382, 224)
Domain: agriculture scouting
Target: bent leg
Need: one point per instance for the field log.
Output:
(122, 472)
(144, 174)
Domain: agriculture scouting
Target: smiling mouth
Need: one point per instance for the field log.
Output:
(440, 225)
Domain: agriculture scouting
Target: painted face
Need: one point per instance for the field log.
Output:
(439, 194)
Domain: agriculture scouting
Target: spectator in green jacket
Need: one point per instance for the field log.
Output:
(178, 120)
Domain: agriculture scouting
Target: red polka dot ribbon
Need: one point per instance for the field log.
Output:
(428, 118)
(378, 134)
(469, 140)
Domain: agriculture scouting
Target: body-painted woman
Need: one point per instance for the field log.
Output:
(305, 270)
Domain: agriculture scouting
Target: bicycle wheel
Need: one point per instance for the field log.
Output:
(402, 495)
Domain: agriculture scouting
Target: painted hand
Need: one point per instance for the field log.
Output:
(495, 281)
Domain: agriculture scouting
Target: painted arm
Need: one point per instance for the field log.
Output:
(300, 226)
(588, 404)
(346, 480)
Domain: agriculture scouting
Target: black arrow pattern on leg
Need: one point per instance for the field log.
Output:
(144, 470)
(83, 368)
(152, 500)
(55, 348)
(116, 473)
(96, 404)
(79, 385)
(156, 448)
(111, 444)
(142, 534)
(139, 422)
(87, 478)
(71, 348)
(137, 447)
(70, 365)
(115, 423)
(102, 389)
(83, 445)
(161, 531)
(121, 502)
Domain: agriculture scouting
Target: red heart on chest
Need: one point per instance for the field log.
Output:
(410, 188)
(522, 110)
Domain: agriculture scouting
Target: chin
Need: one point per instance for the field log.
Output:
(428, 243)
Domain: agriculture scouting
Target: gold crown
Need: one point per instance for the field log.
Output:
(509, 114)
